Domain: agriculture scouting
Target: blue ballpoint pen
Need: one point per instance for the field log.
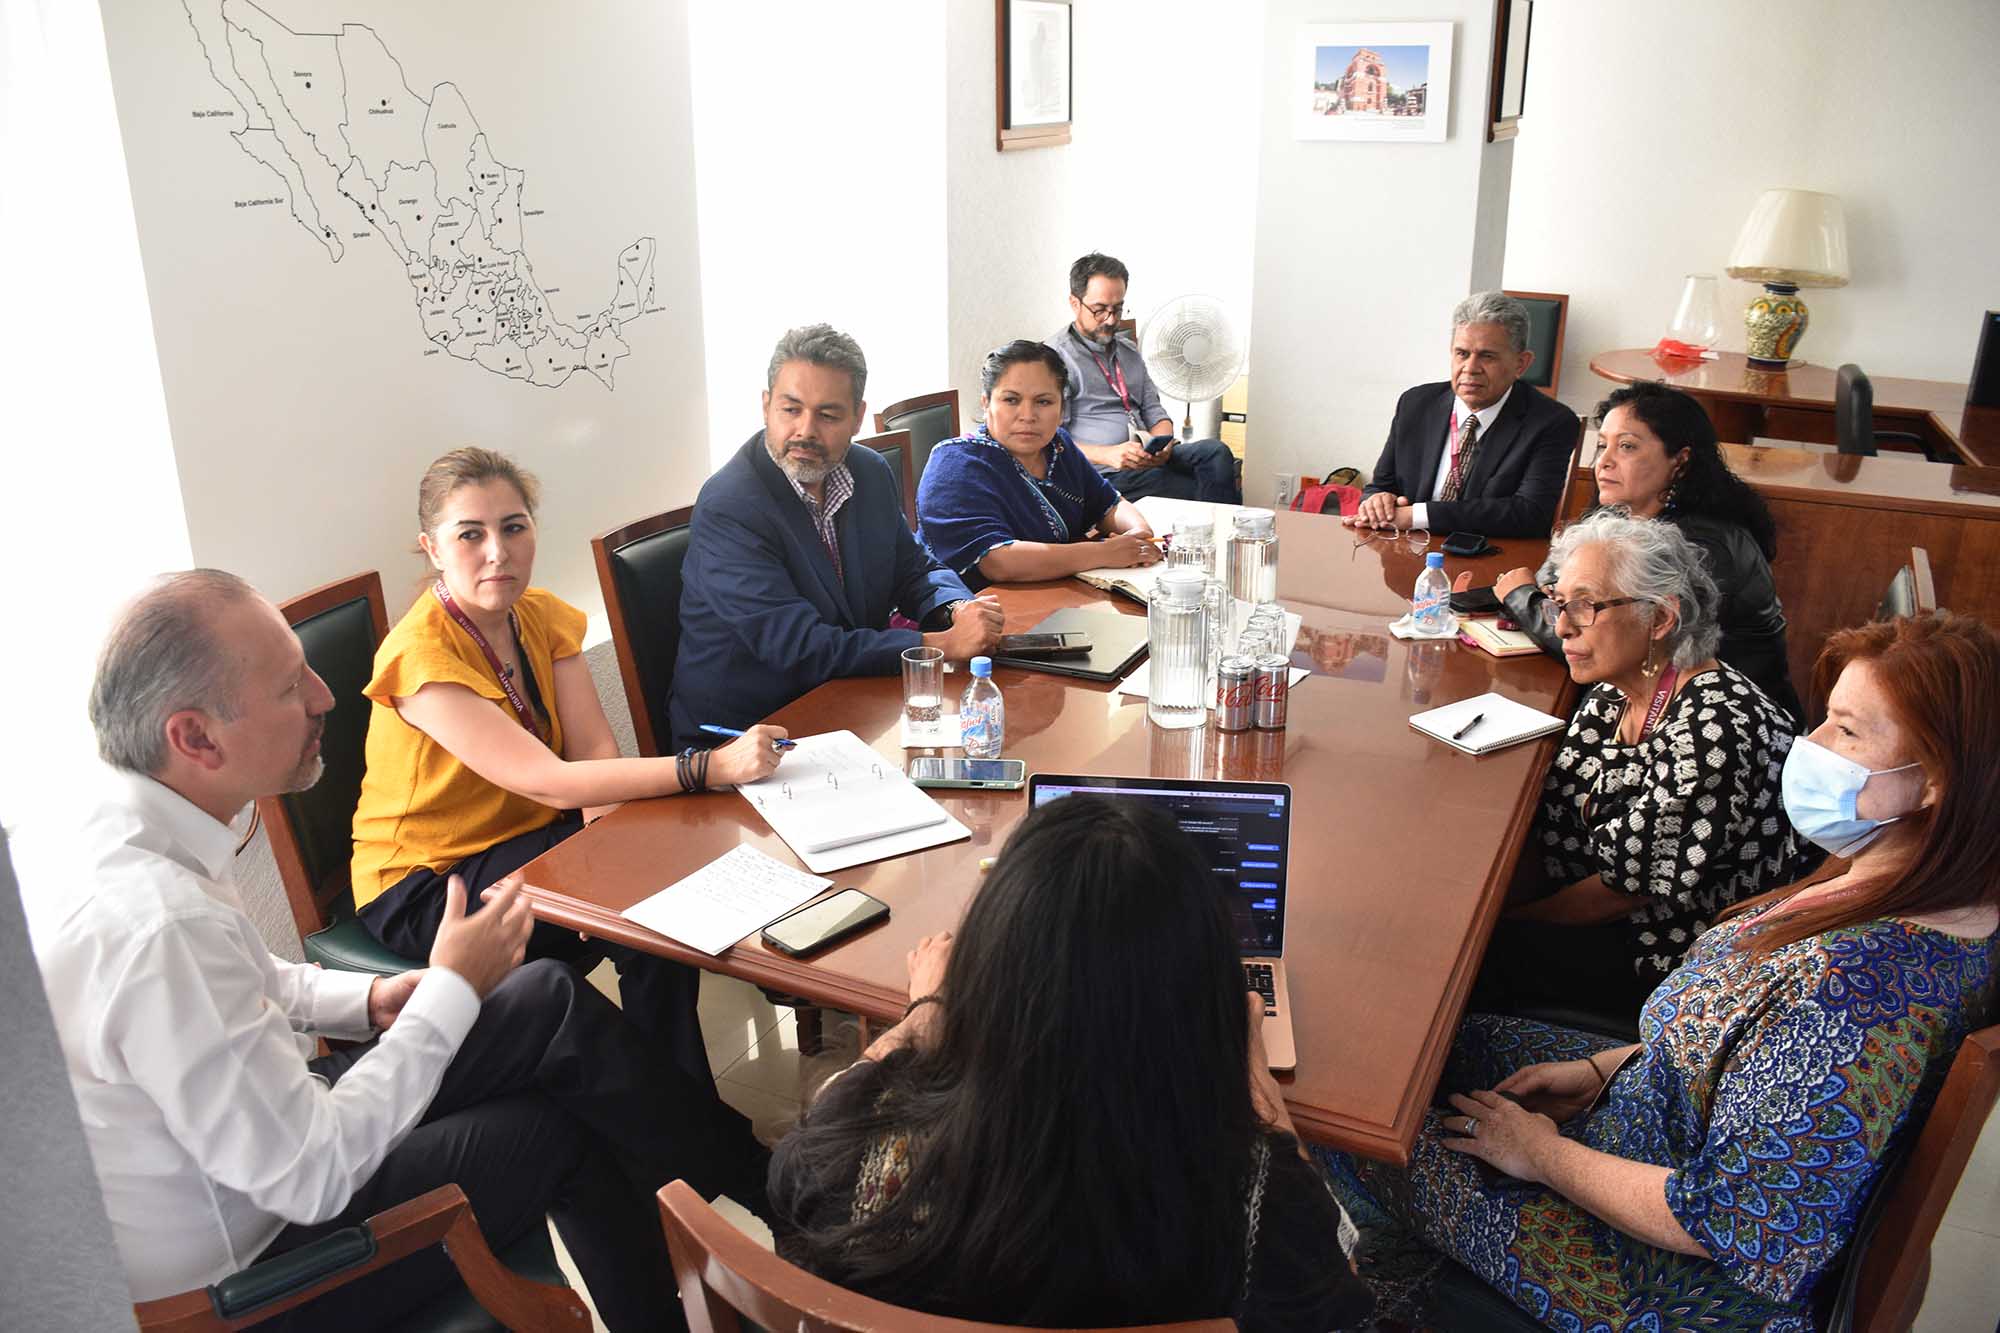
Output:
(782, 743)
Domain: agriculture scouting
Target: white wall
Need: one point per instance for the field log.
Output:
(1353, 303)
(1158, 171)
(1007, 215)
(1646, 140)
(92, 503)
(820, 168)
(304, 405)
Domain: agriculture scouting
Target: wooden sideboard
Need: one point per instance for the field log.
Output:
(1797, 404)
(1846, 525)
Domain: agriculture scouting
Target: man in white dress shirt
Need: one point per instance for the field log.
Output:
(1481, 452)
(217, 1139)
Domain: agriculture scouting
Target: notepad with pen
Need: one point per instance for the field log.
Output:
(1486, 723)
(837, 803)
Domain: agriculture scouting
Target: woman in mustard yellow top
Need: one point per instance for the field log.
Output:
(487, 744)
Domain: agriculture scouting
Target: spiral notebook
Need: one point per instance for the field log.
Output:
(1486, 723)
(837, 803)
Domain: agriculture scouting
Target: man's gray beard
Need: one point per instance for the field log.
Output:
(1104, 337)
(805, 474)
(307, 774)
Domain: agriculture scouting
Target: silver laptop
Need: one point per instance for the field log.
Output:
(1245, 830)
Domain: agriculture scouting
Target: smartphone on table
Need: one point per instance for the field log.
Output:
(946, 771)
(822, 924)
(1071, 644)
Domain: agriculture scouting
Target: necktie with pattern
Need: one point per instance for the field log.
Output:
(1461, 459)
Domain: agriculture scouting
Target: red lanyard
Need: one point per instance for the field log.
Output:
(457, 613)
(1660, 697)
(1114, 374)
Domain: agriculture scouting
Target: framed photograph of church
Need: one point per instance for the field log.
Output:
(1372, 81)
(1033, 80)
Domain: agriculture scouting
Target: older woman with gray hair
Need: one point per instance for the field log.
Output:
(1662, 806)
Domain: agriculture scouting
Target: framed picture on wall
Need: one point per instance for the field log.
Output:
(1382, 81)
(1033, 78)
(1511, 21)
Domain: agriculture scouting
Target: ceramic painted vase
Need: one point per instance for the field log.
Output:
(1775, 319)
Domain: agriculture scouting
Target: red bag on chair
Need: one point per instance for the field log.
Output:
(1328, 496)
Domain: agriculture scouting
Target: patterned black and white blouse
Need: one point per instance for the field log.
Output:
(1687, 821)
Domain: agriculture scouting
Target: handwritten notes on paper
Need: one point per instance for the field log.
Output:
(732, 896)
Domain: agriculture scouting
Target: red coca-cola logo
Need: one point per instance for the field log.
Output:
(1271, 687)
(1239, 693)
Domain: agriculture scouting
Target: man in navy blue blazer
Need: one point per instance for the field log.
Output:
(800, 553)
(1481, 452)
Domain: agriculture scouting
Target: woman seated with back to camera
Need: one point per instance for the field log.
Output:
(1017, 501)
(1661, 805)
(1710, 1176)
(1016, 1151)
(487, 744)
(1657, 456)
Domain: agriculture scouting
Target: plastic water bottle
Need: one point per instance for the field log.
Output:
(1430, 604)
(982, 715)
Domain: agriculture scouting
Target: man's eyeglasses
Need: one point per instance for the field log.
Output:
(1106, 311)
(1582, 611)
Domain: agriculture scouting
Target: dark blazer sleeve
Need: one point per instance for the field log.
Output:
(776, 624)
(922, 584)
(1387, 476)
(1523, 492)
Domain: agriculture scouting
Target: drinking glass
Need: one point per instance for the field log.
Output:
(923, 686)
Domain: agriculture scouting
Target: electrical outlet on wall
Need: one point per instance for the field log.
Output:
(1281, 496)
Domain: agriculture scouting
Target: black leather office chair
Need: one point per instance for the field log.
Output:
(639, 573)
(894, 446)
(1548, 320)
(930, 418)
(1854, 419)
(312, 832)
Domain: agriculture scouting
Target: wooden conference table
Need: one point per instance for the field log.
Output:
(1402, 848)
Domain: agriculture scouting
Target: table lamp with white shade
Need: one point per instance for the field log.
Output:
(1793, 239)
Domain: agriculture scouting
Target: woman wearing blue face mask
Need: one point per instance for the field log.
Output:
(1719, 1166)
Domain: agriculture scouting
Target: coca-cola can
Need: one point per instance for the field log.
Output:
(1271, 683)
(1235, 694)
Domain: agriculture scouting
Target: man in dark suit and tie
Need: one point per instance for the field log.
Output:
(1479, 452)
(800, 554)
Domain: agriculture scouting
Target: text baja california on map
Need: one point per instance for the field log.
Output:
(330, 114)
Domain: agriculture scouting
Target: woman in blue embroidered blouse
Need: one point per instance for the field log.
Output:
(1710, 1175)
(1016, 502)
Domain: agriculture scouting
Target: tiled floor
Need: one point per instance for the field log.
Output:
(754, 1049)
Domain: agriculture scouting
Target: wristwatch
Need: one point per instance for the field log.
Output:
(941, 617)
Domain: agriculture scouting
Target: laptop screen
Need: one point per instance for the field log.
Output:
(1243, 828)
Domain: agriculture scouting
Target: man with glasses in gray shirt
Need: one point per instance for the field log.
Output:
(1113, 412)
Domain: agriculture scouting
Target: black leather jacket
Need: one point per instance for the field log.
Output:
(1753, 620)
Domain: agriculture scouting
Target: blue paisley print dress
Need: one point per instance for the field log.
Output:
(1770, 1084)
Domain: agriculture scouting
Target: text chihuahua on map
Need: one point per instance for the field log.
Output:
(363, 157)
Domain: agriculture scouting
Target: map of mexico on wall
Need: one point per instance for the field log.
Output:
(375, 231)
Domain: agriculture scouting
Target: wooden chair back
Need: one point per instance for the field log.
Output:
(340, 625)
(726, 1277)
(930, 418)
(1548, 321)
(1912, 592)
(894, 445)
(639, 573)
(441, 1216)
(1895, 1266)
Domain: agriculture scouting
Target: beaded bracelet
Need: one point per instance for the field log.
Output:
(920, 1001)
